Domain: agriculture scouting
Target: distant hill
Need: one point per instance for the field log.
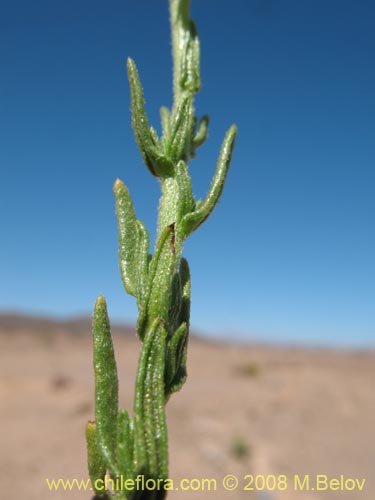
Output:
(14, 323)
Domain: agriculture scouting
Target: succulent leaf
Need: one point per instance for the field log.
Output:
(190, 61)
(153, 305)
(192, 221)
(175, 301)
(175, 361)
(142, 261)
(182, 122)
(106, 385)
(165, 117)
(150, 449)
(146, 138)
(134, 244)
(96, 463)
(128, 237)
(125, 445)
(201, 134)
(186, 292)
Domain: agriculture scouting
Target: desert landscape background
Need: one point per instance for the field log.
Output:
(245, 409)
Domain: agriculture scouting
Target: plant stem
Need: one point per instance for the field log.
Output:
(123, 445)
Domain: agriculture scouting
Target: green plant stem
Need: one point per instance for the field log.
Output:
(131, 445)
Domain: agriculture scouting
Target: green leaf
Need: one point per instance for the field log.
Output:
(192, 221)
(190, 61)
(106, 385)
(165, 118)
(142, 261)
(128, 237)
(201, 134)
(182, 333)
(186, 292)
(177, 349)
(151, 151)
(175, 301)
(177, 201)
(139, 118)
(175, 359)
(180, 377)
(180, 297)
(125, 445)
(182, 123)
(151, 449)
(156, 301)
(133, 244)
(185, 192)
(96, 463)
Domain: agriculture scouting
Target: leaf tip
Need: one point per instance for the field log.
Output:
(132, 70)
(118, 185)
(100, 308)
(233, 130)
(100, 301)
(90, 426)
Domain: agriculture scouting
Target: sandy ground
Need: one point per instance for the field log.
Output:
(244, 410)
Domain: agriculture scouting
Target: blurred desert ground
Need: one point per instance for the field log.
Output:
(245, 409)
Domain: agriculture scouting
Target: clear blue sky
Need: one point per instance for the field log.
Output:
(289, 253)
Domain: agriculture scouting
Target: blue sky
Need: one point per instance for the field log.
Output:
(289, 253)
